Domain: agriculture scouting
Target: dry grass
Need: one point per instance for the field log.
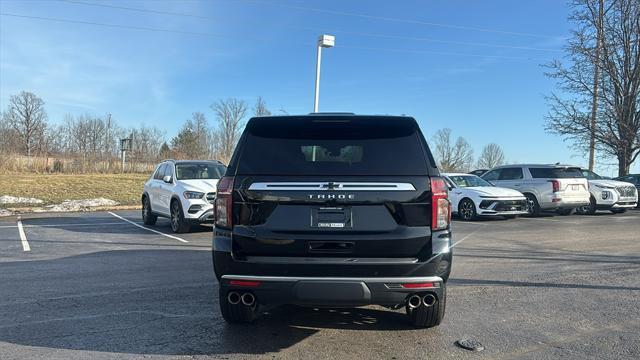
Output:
(55, 188)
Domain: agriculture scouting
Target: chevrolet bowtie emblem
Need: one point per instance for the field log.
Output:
(331, 186)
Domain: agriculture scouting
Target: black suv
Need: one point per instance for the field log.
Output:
(332, 210)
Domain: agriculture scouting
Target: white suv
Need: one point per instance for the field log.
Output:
(183, 191)
(615, 196)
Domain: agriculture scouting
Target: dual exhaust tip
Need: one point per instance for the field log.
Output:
(247, 299)
(416, 300)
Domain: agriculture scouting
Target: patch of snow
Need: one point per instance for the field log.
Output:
(8, 199)
(4, 212)
(78, 205)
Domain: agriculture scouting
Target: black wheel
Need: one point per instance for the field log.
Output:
(428, 316)
(564, 212)
(236, 313)
(533, 208)
(587, 209)
(467, 210)
(147, 216)
(618, 211)
(178, 223)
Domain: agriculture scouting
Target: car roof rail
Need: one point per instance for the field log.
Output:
(170, 160)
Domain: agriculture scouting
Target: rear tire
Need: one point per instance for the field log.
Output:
(467, 210)
(426, 317)
(238, 313)
(148, 218)
(178, 224)
(618, 211)
(564, 212)
(588, 209)
(533, 208)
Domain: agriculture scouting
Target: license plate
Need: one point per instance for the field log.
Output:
(331, 217)
(575, 187)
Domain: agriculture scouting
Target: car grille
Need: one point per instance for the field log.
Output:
(504, 205)
(211, 197)
(626, 191)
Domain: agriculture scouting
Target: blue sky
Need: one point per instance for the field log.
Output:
(472, 66)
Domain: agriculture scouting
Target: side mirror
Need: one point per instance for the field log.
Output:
(167, 179)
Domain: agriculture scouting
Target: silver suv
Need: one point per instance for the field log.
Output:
(559, 188)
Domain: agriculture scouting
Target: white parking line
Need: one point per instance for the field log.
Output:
(23, 237)
(146, 228)
(456, 243)
(468, 222)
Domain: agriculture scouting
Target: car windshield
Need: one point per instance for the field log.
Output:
(590, 175)
(195, 171)
(468, 181)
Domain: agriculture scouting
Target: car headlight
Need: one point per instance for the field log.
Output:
(193, 195)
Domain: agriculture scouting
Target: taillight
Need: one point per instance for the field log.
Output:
(555, 184)
(440, 205)
(224, 202)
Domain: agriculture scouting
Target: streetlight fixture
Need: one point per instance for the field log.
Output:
(324, 41)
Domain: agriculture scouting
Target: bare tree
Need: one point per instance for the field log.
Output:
(230, 114)
(26, 115)
(492, 156)
(260, 109)
(617, 124)
(452, 157)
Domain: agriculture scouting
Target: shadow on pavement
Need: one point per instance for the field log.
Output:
(150, 302)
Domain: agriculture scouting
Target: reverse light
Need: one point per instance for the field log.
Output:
(223, 209)
(193, 195)
(440, 205)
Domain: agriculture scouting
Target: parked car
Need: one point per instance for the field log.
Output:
(317, 210)
(631, 178)
(615, 196)
(559, 188)
(479, 172)
(183, 191)
(471, 197)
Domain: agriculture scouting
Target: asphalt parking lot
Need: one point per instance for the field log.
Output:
(98, 285)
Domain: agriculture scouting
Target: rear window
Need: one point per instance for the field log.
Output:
(332, 146)
(555, 173)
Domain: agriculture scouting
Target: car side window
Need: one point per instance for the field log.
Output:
(159, 172)
(492, 175)
(511, 174)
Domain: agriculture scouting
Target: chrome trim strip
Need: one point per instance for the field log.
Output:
(296, 278)
(333, 186)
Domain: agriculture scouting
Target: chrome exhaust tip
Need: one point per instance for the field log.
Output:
(248, 299)
(429, 300)
(233, 298)
(414, 301)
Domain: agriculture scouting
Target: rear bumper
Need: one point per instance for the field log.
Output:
(331, 291)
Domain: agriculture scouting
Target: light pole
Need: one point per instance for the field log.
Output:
(324, 41)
